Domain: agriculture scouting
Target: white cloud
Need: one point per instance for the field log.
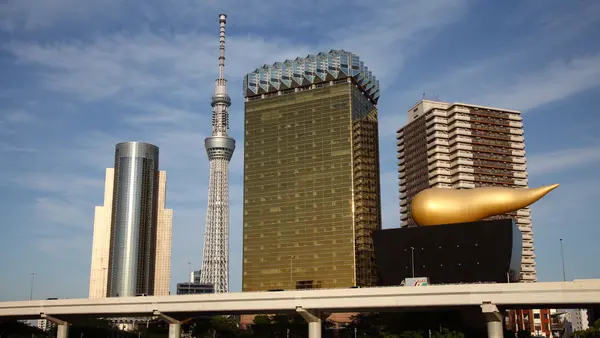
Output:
(7, 148)
(41, 14)
(16, 116)
(540, 66)
(565, 213)
(558, 80)
(63, 183)
(562, 160)
(53, 212)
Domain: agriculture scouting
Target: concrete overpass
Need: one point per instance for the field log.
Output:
(312, 305)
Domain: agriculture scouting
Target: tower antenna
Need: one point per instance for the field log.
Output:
(219, 148)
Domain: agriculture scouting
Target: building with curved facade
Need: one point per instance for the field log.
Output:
(462, 146)
(131, 248)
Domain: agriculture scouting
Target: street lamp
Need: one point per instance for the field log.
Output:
(291, 271)
(31, 290)
(562, 255)
(412, 258)
(191, 277)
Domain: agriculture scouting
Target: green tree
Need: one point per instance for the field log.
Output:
(591, 332)
(219, 326)
(445, 333)
(596, 326)
(262, 326)
(13, 328)
(412, 334)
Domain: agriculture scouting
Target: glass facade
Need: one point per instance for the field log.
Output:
(134, 218)
(311, 187)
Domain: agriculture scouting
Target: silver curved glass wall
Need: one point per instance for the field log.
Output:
(133, 224)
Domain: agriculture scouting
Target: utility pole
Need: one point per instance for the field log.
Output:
(191, 277)
(31, 290)
(412, 258)
(562, 255)
(291, 272)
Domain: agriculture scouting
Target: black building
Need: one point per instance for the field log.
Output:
(484, 251)
(194, 288)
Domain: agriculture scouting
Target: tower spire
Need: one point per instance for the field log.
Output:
(222, 22)
(219, 148)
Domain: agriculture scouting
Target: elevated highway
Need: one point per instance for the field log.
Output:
(312, 304)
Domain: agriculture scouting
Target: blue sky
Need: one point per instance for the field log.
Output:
(77, 77)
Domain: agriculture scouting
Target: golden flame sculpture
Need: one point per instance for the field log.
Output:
(444, 206)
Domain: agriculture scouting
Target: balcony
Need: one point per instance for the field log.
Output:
(438, 142)
(460, 131)
(458, 117)
(461, 146)
(528, 278)
(527, 253)
(522, 183)
(440, 164)
(459, 124)
(515, 124)
(437, 150)
(437, 172)
(519, 159)
(516, 131)
(494, 121)
(437, 127)
(515, 117)
(436, 120)
(437, 134)
(463, 185)
(439, 180)
(462, 177)
(528, 269)
(527, 260)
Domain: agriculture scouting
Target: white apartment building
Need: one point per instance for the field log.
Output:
(578, 319)
(462, 146)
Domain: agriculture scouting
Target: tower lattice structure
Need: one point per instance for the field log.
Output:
(219, 147)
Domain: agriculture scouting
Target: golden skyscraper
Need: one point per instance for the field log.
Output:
(311, 174)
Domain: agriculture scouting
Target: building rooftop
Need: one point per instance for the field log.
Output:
(312, 69)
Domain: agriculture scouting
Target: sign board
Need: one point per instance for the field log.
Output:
(416, 281)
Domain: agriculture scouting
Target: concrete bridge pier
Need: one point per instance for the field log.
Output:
(314, 320)
(493, 318)
(62, 327)
(174, 324)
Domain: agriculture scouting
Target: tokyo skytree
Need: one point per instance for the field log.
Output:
(219, 147)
